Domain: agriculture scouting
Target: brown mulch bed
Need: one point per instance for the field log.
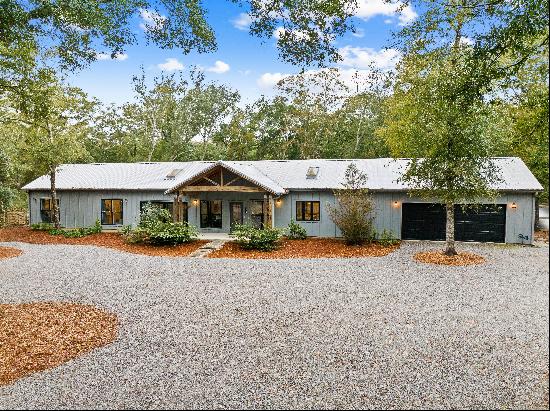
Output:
(9, 252)
(437, 257)
(111, 240)
(38, 336)
(541, 236)
(308, 248)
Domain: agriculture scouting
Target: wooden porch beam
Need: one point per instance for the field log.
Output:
(221, 188)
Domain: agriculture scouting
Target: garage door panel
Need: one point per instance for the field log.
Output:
(484, 223)
(423, 221)
(426, 221)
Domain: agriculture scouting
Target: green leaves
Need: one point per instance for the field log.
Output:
(252, 238)
(353, 210)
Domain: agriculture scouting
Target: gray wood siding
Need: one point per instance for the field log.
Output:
(82, 208)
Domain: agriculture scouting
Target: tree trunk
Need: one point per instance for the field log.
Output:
(53, 198)
(450, 231)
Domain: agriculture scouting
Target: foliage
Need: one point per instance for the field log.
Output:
(160, 233)
(252, 238)
(70, 233)
(353, 210)
(387, 238)
(152, 214)
(70, 35)
(295, 231)
(6, 193)
(42, 226)
(156, 227)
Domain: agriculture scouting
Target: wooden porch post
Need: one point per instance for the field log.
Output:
(268, 202)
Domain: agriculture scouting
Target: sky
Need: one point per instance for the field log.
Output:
(247, 64)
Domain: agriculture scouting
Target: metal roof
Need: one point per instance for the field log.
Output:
(276, 176)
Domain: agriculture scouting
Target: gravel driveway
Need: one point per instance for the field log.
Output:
(359, 333)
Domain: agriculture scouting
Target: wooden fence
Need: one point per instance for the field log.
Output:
(14, 218)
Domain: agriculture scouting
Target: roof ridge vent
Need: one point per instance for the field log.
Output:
(312, 172)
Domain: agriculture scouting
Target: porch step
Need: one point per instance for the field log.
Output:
(207, 248)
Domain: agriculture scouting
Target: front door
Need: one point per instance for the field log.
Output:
(236, 214)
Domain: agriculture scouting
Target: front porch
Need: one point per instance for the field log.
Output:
(221, 197)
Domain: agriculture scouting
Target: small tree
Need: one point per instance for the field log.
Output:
(56, 120)
(6, 193)
(352, 213)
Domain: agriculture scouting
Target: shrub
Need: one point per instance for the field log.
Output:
(77, 232)
(251, 238)
(42, 226)
(156, 227)
(160, 233)
(295, 231)
(353, 212)
(153, 214)
(387, 238)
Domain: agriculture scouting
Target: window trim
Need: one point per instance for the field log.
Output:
(303, 211)
(103, 212)
(209, 214)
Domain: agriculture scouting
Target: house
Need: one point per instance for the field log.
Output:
(216, 195)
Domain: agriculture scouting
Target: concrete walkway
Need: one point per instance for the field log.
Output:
(208, 248)
(215, 236)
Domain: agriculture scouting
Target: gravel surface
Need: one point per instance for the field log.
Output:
(383, 332)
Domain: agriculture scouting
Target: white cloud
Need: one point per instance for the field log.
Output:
(280, 31)
(106, 56)
(151, 19)
(219, 67)
(364, 57)
(171, 64)
(388, 21)
(359, 33)
(466, 41)
(270, 80)
(370, 8)
(245, 72)
(242, 22)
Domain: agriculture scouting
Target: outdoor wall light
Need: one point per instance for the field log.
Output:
(514, 206)
(396, 204)
(278, 202)
(195, 202)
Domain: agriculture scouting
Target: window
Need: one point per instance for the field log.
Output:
(111, 212)
(308, 211)
(46, 210)
(166, 205)
(211, 213)
(257, 213)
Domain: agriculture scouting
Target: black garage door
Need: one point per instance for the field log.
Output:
(424, 221)
(484, 223)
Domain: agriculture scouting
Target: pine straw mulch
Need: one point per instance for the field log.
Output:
(9, 252)
(308, 248)
(541, 236)
(437, 257)
(38, 336)
(110, 240)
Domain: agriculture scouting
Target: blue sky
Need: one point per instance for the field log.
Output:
(241, 61)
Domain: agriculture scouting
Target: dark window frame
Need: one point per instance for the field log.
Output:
(46, 213)
(105, 212)
(302, 211)
(210, 221)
